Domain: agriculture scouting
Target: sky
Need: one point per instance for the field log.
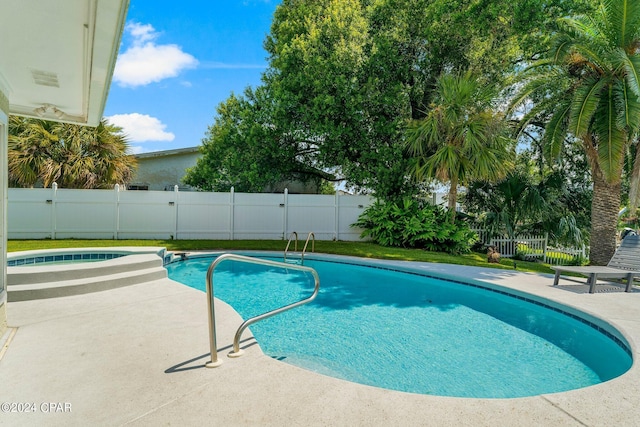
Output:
(178, 61)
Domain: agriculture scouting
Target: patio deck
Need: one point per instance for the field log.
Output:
(135, 356)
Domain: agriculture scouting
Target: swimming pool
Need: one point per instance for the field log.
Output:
(412, 333)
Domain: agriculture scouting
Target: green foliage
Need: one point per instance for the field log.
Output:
(340, 80)
(73, 156)
(578, 260)
(411, 224)
(345, 77)
(244, 150)
(518, 205)
(586, 87)
(461, 138)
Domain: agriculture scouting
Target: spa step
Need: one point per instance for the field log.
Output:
(66, 272)
(86, 285)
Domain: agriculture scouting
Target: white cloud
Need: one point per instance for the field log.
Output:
(135, 149)
(141, 127)
(146, 62)
(141, 33)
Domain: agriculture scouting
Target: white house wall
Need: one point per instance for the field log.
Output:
(4, 111)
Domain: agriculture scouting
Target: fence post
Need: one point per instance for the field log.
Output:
(232, 212)
(285, 216)
(337, 216)
(176, 193)
(544, 248)
(54, 220)
(116, 211)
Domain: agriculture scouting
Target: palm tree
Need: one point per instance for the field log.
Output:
(517, 204)
(461, 138)
(28, 148)
(587, 88)
(73, 156)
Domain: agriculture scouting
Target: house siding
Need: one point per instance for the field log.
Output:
(4, 109)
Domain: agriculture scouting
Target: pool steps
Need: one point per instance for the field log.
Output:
(29, 283)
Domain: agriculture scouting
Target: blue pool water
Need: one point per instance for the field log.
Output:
(412, 333)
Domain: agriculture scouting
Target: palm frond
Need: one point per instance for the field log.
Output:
(541, 85)
(584, 105)
(628, 104)
(421, 134)
(611, 140)
(632, 72)
(560, 49)
(556, 131)
(623, 17)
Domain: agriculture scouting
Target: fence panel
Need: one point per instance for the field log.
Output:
(85, 214)
(114, 214)
(532, 247)
(528, 246)
(205, 216)
(147, 215)
(349, 209)
(307, 212)
(30, 213)
(564, 256)
(259, 216)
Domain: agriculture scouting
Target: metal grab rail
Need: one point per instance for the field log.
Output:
(210, 295)
(295, 247)
(313, 244)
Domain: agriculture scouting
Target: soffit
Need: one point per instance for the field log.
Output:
(57, 57)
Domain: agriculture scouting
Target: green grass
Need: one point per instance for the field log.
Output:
(359, 249)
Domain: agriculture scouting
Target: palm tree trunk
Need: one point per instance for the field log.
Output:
(634, 185)
(453, 198)
(604, 220)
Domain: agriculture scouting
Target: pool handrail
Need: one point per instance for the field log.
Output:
(295, 247)
(313, 245)
(210, 302)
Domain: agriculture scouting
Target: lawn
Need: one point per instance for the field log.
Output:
(360, 249)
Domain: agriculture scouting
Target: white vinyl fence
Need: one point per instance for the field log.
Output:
(53, 213)
(533, 247)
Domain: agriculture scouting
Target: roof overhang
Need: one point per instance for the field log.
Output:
(57, 57)
(168, 153)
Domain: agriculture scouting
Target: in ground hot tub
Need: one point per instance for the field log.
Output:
(64, 272)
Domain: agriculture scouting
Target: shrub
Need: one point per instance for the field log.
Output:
(413, 224)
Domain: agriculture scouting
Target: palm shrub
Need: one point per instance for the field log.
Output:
(410, 223)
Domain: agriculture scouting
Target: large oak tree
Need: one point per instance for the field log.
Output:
(346, 76)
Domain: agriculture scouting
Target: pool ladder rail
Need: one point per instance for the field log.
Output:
(214, 362)
(293, 237)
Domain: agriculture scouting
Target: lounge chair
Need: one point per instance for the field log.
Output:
(625, 263)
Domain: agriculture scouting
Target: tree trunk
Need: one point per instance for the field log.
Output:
(604, 220)
(453, 199)
(634, 185)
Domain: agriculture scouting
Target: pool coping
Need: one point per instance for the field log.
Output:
(164, 381)
(43, 253)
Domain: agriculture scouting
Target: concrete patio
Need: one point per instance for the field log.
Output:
(135, 355)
